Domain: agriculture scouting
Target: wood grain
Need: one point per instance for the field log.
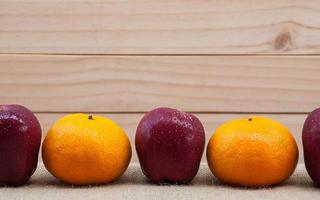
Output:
(160, 27)
(210, 122)
(139, 83)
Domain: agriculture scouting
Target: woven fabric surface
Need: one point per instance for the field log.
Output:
(134, 185)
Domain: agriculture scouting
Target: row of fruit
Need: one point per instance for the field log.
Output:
(84, 149)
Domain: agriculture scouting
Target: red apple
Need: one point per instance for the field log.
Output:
(20, 137)
(169, 145)
(311, 145)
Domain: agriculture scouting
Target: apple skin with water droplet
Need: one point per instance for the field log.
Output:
(20, 138)
(311, 145)
(170, 145)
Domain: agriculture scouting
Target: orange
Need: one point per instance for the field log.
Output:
(81, 149)
(254, 151)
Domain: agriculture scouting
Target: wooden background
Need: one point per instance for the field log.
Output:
(120, 58)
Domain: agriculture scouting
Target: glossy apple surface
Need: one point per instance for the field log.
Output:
(169, 145)
(20, 137)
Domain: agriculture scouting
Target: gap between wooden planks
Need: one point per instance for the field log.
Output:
(210, 122)
(223, 84)
(160, 27)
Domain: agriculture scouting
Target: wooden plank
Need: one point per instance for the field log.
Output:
(160, 27)
(140, 83)
(210, 122)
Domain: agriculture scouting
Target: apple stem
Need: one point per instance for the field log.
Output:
(90, 117)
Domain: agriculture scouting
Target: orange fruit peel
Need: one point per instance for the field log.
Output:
(82, 149)
(254, 151)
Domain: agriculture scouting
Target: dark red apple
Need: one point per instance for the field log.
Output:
(169, 145)
(311, 145)
(20, 137)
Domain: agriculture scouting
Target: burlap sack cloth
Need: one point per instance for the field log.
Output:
(134, 185)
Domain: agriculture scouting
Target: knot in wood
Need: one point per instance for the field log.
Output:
(283, 41)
